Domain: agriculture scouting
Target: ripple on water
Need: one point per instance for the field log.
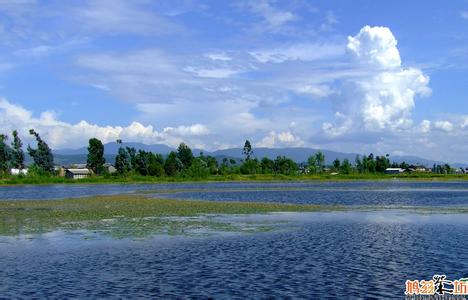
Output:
(339, 254)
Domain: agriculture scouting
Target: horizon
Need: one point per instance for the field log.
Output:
(363, 76)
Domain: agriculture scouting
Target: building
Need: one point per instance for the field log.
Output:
(17, 172)
(394, 170)
(77, 173)
(110, 168)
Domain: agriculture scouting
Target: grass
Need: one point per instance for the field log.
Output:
(17, 180)
(127, 215)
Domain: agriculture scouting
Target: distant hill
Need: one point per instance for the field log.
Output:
(298, 154)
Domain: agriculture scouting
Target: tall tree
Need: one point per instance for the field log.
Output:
(320, 159)
(17, 154)
(122, 160)
(42, 155)
(96, 158)
(5, 153)
(247, 150)
(172, 165)
(336, 165)
(185, 155)
(312, 164)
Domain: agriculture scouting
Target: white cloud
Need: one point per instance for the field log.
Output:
(425, 126)
(273, 16)
(118, 16)
(383, 96)
(317, 91)
(222, 56)
(443, 125)
(282, 139)
(59, 134)
(212, 73)
(375, 46)
(301, 52)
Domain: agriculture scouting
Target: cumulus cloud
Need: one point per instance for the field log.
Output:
(383, 95)
(443, 125)
(281, 139)
(61, 134)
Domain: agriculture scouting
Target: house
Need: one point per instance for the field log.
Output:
(110, 168)
(17, 172)
(77, 173)
(394, 170)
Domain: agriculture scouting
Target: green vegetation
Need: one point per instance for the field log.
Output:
(42, 156)
(96, 160)
(181, 165)
(135, 211)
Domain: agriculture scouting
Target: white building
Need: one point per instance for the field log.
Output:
(77, 173)
(17, 172)
(394, 170)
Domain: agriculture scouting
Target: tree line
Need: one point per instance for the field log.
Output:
(182, 162)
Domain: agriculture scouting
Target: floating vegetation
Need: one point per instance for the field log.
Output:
(133, 215)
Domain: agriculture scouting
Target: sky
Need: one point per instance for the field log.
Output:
(352, 76)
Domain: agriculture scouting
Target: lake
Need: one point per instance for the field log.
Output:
(331, 254)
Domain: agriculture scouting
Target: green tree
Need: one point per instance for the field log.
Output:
(185, 155)
(17, 153)
(198, 168)
(5, 154)
(42, 155)
(312, 164)
(285, 166)
(122, 160)
(131, 155)
(247, 150)
(96, 160)
(156, 165)
(173, 165)
(359, 164)
(336, 165)
(250, 166)
(267, 165)
(320, 159)
(346, 167)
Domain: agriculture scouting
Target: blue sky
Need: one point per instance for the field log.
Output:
(352, 76)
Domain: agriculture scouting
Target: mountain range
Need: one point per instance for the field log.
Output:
(298, 154)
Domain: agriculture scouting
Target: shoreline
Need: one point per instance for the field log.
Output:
(237, 178)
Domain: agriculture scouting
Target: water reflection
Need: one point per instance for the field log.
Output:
(335, 254)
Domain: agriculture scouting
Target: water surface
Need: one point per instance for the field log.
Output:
(337, 254)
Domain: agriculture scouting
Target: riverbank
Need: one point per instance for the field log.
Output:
(38, 180)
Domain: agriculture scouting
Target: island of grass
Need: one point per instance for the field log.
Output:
(127, 215)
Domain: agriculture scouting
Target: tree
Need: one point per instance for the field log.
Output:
(173, 165)
(320, 159)
(247, 150)
(284, 165)
(185, 155)
(359, 164)
(267, 165)
(5, 153)
(42, 156)
(250, 166)
(336, 165)
(17, 154)
(346, 167)
(96, 158)
(131, 155)
(122, 160)
(312, 164)
(198, 168)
